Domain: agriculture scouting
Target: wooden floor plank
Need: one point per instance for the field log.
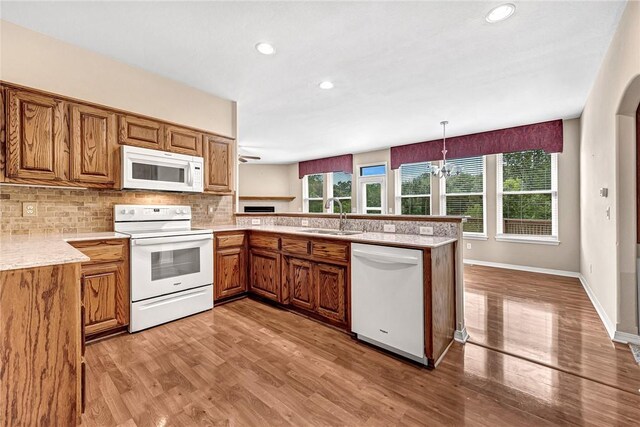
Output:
(250, 364)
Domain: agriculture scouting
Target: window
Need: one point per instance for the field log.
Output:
(527, 195)
(413, 189)
(464, 194)
(340, 187)
(372, 184)
(313, 193)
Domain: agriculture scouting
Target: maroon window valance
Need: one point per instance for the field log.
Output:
(546, 136)
(329, 164)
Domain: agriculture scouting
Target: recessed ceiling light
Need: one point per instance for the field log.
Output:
(500, 13)
(265, 48)
(326, 85)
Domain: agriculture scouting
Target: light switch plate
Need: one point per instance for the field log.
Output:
(255, 222)
(426, 230)
(211, 209)
(389, 228)
(468, 245)
(305, 222)
(29, 209)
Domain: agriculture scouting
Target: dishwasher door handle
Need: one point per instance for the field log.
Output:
(385, 258)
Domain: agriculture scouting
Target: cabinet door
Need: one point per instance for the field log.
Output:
(140, 132)
(218, 163)
(265, 274)
(331, 285)
(183, 141)
(37, 145)
(230, 278)
(93, 145)
(105, 297)
(301, 285)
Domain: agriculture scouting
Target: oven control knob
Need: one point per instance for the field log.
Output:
(132, 211)
(123, 211)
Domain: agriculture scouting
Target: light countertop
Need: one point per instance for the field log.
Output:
(19, 251)
(412, 240)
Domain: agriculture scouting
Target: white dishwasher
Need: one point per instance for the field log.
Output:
(387, 304)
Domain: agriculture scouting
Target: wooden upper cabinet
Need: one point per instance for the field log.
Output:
(37, 143)
(93, 145)
(218, 159)
(183, 141)
(140, 132)
(331, 285)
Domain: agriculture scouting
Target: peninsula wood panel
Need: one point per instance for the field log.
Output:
(440, 300)
(218, 158)
(182, 140)
(93, 145)
(331, 285)
(230, 272)
(301, 284)
(265, 273)
(140, 132)
(40, 344)
(37, 146)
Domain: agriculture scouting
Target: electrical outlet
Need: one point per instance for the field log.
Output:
(590, 268)
(29, 209)
(305, 222)
(426, 230)
(468, 245)
(255, 222)
(389, 228)
(211, 209)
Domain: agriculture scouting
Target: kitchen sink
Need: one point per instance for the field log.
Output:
(329, 232)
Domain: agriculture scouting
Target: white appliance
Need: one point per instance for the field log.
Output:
(171, 263)
(387, 305)
(147, 169)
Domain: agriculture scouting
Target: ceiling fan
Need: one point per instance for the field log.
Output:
(245, 159)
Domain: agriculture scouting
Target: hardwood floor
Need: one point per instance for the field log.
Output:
(547, 319)
(247, 363)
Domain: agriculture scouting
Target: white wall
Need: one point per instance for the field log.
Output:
(270, 180)
(606, 142)
(32, 59)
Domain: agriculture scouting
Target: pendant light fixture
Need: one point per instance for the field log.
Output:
(447, 169)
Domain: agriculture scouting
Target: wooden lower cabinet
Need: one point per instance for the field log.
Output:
(264, 267)
(300, 283)
(105, 286)
(230, 273)
(331, 284)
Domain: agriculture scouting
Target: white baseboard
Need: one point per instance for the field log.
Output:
(608, 324)
(523, 268)
(626, 338)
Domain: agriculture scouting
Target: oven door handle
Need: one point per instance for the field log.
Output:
(175, 239)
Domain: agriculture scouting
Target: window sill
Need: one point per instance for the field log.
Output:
(474, 236)
(526, 239)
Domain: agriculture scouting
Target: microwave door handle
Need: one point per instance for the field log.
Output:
(190, 174)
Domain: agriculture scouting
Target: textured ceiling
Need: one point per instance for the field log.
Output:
(399, 68)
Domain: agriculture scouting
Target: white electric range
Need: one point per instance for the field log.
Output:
(171, 264)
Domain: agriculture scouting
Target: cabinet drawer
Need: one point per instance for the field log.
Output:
(266, 241)
(102, 251)
(229, 240)
(328, 250)
(295, 246)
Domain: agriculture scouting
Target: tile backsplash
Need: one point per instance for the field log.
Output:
(440, 228)
(78, 211)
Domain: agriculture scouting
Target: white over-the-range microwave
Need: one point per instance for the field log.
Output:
(145, 169)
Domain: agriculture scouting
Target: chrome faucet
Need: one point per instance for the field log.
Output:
(328, 205)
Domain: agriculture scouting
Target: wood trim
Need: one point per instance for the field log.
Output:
(264, 198)
(115, 110)
(428, 312)
(638, 172)
(357, 216)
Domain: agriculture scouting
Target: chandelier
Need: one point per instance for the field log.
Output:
(447, 169)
